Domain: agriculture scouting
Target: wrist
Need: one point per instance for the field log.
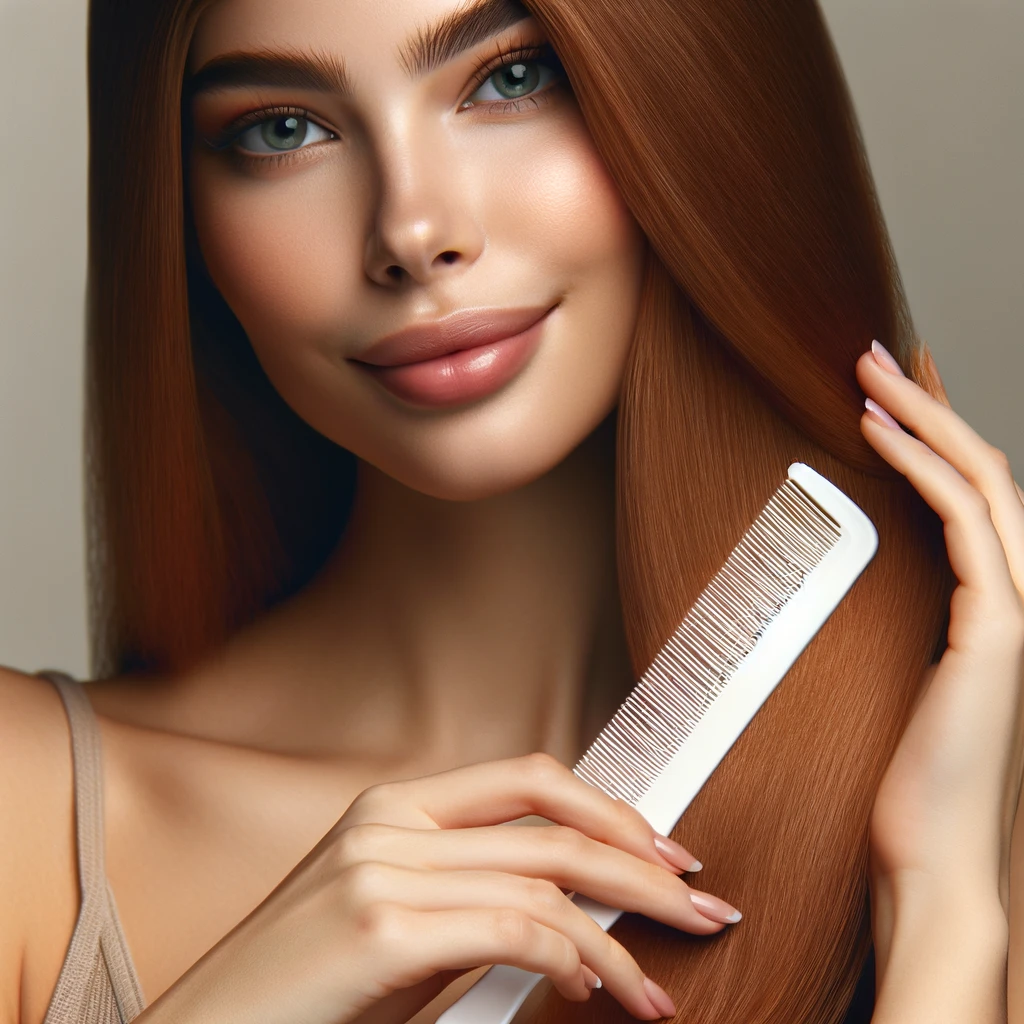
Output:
(940, 949)
(917, 899)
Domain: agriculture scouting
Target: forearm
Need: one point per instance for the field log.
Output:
(1015, 959)
(940, 955)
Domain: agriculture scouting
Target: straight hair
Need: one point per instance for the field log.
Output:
(728, 128)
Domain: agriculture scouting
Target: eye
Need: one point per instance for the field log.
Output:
(282, 134)
(517, 75)
(273, 131)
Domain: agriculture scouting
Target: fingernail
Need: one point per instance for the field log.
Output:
(676, 855)
(880, 414)
(885, 360)
(660, 999)
(590, 979)
(715, 909)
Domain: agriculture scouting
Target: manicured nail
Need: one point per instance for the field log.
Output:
(715, 909)
(880, 414)
(660, 999)
(885, 360)
(676, 855)
(590, 979)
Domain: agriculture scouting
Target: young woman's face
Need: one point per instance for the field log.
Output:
(448, 173)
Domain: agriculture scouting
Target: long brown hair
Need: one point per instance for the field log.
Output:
(729, 129)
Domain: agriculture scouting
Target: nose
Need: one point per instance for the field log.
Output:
(423, 226)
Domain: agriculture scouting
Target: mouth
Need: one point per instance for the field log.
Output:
(457, 332)
(426, 368)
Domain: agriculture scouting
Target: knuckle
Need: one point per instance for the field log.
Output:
(546, 897)
(657, 887)
(375, 799)
(1000, 461)
(563, 841)
(568, 965)
(618, 957)
(365, 883)
(511, 927)
(541, 767)
(631, 818)
(357, 843)
(978, 504)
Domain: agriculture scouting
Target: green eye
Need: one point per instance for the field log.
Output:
(272, 130)
(517, 75)
(518, 79)
(280, 134)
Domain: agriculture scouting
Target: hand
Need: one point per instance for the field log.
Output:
(947, 801)
(418, 880)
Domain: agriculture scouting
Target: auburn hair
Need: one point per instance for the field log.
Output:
(728, 128)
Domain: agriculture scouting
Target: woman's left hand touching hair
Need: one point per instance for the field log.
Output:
(944, 814)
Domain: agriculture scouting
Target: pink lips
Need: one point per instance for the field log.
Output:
(465, 356)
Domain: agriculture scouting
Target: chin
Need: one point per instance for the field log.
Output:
(469, 465)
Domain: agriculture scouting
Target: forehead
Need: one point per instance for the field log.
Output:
(415, 35)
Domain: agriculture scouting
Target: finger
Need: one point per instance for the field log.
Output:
(985, 467)
(541, 901)
(501, 791)
(975, 550)
(428, 942)
(558, 854)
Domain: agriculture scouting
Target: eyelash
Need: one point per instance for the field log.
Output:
(484, 69)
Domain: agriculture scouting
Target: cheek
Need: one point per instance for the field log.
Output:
(280, 252)
(569, 212)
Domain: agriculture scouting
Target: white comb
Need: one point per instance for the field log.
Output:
(776, 590)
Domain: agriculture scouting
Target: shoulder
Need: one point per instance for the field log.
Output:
(38, 865)
(35, 753)
(34, 738)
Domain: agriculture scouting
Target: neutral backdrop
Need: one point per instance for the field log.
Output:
(939, 88)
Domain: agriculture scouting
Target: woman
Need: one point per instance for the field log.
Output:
(340, 595)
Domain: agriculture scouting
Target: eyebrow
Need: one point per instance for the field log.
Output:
(318, 70)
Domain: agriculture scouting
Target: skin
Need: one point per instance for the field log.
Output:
(301, 251)
(473, 528)
(950, 796)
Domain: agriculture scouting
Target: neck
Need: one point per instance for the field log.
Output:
(449, 632)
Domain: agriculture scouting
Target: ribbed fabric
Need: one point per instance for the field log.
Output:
(97, 982)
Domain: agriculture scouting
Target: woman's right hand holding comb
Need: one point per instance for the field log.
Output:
(420, 881)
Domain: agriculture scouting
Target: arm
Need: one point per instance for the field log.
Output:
(940, 952)
(1015, 956)
(944, 903)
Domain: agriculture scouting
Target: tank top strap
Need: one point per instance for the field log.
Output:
(98, 928)
(87, 770)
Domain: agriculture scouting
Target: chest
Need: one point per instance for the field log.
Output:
(195, 839)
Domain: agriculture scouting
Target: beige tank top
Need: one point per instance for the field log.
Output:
(97, 982)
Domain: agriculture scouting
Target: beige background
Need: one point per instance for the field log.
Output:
(939, 87)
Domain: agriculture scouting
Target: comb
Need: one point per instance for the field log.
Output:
(782, 581)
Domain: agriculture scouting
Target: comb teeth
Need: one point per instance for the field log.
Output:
(768, 566)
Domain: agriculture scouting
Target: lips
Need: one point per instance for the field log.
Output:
(460, 359)
(465, 329)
